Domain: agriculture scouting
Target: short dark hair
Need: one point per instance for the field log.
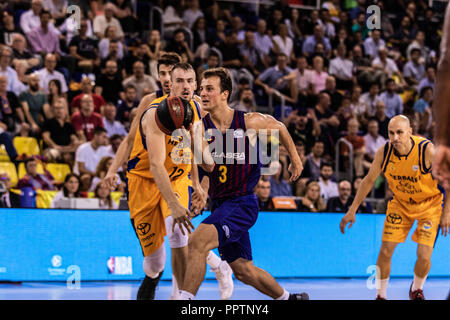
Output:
(130, 86)
(325, 164)
(31, 159)
(425, 89)
(44, 11)
(389, 80)
(177, 31)
(226, 84)
(115, 137)
(415, 50)
(169, 59)
(99, 130)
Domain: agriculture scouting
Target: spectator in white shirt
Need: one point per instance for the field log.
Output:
(191, 14)
(101, 22)
(414, 70)
(342, 68)
(30, 19)
(49, 72)
(263, 43)
(282, 43)
(143, 83)
(14, 84)
(302, 84)
(428, 80)
(328, 188)
(391, 99)
(382, 62)
(373, 140)
(373, 43)
(89, 154)
(371, 98)
(112, 126)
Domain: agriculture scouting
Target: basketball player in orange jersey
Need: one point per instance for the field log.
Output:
(406, 162)
(441, 109)
(183, 87)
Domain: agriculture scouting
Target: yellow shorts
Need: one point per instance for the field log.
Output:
(400, 218)
(148, 209)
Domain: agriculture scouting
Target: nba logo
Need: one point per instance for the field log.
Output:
(415, 167)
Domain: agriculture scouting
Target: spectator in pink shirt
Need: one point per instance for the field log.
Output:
(44, 39)
(319, 76)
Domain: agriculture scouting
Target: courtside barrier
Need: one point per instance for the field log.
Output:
(62, 245)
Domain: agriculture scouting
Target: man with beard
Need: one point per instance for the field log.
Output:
(328, 188)
(35, 106)
(109, 84)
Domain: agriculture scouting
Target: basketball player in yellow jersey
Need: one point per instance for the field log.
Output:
(183, 86)
(406, 162)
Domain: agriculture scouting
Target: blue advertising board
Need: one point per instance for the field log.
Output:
(55, 245)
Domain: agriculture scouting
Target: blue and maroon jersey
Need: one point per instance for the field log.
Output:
(237, 163)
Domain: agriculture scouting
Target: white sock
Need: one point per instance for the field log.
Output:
(284, 296)
(184, 295)
(213, 260)
(418, 282)
(174, 287)
(381, 291)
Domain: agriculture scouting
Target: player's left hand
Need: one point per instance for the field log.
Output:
(295, 169)
(445, 219)
(441, 166)
(445, 224)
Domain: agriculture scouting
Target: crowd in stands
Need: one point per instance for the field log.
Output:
(337, 81)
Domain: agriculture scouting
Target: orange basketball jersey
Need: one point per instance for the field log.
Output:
(408, 177)
(178, 159)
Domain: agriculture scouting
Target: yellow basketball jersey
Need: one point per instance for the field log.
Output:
(408, 177)
(178, 159)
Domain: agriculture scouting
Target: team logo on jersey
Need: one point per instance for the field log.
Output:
(238, 134)
(427, 225)
(394, 218)
(143, 228)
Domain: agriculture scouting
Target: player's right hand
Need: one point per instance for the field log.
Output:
(110, 181)
(349, 217)
(181, 217)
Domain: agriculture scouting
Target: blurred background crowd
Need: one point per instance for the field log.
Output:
(70, 93)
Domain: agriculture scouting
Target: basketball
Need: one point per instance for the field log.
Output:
(173, 113)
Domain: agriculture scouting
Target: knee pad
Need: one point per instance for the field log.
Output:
(155, 262)
(176, 238)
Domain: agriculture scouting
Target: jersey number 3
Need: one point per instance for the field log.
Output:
(223, 174)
